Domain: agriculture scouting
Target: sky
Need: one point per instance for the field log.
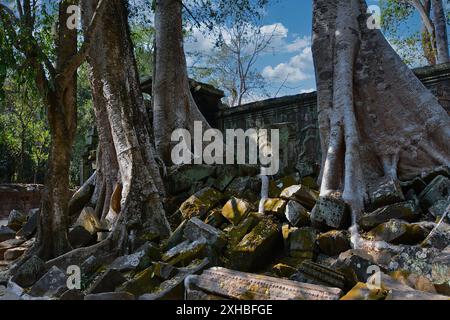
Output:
(288, 66)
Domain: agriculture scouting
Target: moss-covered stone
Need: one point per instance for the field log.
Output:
(275, 206)
(302, 243)
(245, 188)
(236, 209)
(215, 218)
(362, 292)
(334, 242)
(200, 203)
(405, 210)
(185, 252)
(302, 194)
(89, 221)
(277, 186)
(236, 233)
(399, 232)
(257, 247)
(283, 270)
(143, 282)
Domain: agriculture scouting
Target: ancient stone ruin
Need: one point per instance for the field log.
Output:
(222, 248)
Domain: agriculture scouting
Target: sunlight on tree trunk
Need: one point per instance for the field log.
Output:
(173, 104)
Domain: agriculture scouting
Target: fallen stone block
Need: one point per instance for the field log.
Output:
(405, 211)
(107, 282)
(235, 234)
(244, 286)
(244, 187)
(215, 218)
(29, 272)
(30, 227)
(49, 283)
(257, 247)
(14, 253)
(387, 193)
(333, 243)
(438, 189)
(302, 243)
(200, 203)
(277, 186)
(301, 194)
(144, 282)
(6, 233)
(356, 265)
(297, 215)
(361, 291)
(185, 252)
(399, 232)
(330, 212)
(16, 220)
(236, 209)
(174, 289)
(80, 237)
(89, 221)
(139, 260)
(9, 244)
(283, 270)
(414, 295)
(275, 206)
(439, 208)
(196, 229)
(318, 274)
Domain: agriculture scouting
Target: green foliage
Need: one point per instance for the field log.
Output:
(24, 135)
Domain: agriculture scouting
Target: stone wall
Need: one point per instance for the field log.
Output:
(296, 116)
(20, 197)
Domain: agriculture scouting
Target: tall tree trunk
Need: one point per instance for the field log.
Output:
(440, 23)
(377, 120)
(62, 114)
(126, 154)
(173, 104)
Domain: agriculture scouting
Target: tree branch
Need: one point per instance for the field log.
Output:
(423, 14)
(71, 67)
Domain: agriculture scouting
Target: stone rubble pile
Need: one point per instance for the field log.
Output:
(221, 248)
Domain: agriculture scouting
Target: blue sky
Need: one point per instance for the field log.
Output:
(290, 61)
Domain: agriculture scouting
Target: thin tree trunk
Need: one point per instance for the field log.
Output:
(427, 38)
(377, 120)
(173, 104)
(62, 114)
(124, 137)
(440, 23)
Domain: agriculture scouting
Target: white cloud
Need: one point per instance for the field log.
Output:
(298, 44)
(297, 69)
(307, 90)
